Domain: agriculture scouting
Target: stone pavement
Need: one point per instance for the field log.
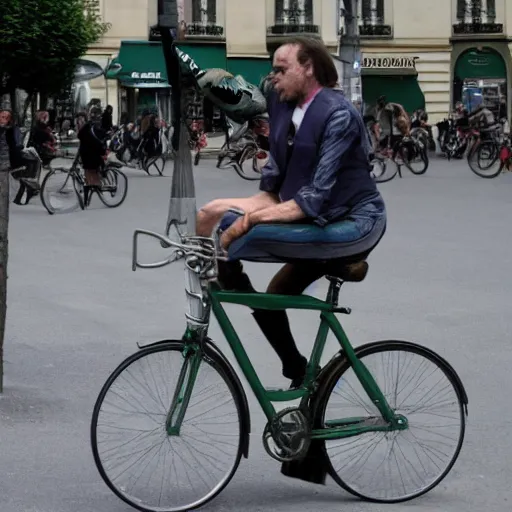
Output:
(440, 277)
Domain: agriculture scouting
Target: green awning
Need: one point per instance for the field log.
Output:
(139, 64)
(253, 70)
(485, 63)
(403, 89)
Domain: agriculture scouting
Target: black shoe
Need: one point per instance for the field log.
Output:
(298, 381)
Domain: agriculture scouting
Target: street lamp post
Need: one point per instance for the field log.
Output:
(182, 204)
(350, 47)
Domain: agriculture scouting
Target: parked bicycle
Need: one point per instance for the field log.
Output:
(488, 155)
(409, 152)
(172, 422)
(136, 157)
(245, 146)
(64, 190)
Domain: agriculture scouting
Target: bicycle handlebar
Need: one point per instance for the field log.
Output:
(202, 248)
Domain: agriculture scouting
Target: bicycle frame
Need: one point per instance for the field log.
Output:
(328, 322)
(211, 298)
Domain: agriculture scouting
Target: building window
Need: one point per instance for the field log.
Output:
(476, 11)
(371, 12)
(204, 12)
(294, 12)
(370, 15)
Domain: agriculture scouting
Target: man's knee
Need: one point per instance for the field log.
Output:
(208, 215)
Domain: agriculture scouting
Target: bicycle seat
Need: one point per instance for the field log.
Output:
(350, 272)
(339, 245)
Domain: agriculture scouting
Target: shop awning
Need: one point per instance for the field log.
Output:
(139, 64)
(397, 87)
(485, 63)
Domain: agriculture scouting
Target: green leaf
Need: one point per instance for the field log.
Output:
(41, 41)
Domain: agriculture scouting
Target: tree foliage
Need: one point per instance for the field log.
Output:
(41, 41)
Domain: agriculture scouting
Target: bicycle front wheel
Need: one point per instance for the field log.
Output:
(114, 187)
(382, 172)
(395, 466)
(141, 462)
(61, 192)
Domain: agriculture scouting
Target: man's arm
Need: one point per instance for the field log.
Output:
(341, 132)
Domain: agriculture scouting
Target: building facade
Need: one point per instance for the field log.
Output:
(433, 53)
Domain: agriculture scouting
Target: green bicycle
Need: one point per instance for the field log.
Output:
(386, 420)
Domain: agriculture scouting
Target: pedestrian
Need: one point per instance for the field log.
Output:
(107, 122)
(12, 156)
(92, 149)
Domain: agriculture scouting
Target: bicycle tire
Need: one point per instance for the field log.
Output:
(474, 160)
(384, 176)
(420, 149)
(333, 379)
(215, 361)
(45, 193)
(115, 178)
(425, 160)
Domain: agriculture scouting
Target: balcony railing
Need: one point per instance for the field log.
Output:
(194, 30)
(379, 30)
(293, 21)
(197, 29)
(477, 28)
(283, 29)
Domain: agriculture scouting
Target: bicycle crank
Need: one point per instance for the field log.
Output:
(287, 436)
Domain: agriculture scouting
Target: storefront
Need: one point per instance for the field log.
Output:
(480, 77)
(141, 74)
(392, 76)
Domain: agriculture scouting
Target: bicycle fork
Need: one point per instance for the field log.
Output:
(192, 356)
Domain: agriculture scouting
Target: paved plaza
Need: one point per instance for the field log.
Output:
(442, 276)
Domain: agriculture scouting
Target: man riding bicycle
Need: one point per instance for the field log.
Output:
(318, 173)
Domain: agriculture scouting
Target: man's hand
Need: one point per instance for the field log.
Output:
(283, 213)
(239, 228)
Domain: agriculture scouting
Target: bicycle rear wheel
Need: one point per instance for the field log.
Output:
(61, 192)
(138, 459)
(391, 467)
(114, 187)
(415, 159)
(485, 160)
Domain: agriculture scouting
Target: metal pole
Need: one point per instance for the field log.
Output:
(350, 47)
(182, 205)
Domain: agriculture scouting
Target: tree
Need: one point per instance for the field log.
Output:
(41, 41)
(4, 220)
